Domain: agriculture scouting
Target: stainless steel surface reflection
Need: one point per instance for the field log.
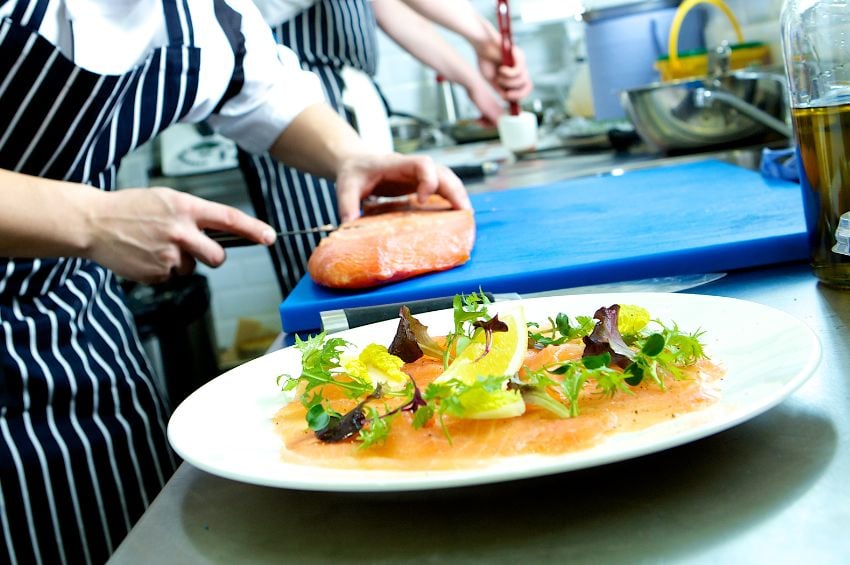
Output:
(554, 166)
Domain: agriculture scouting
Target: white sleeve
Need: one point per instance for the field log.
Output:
(278, 11)
(274, 92)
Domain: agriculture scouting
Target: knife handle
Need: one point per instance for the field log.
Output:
(347, 318)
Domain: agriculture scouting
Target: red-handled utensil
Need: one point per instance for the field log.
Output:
(503, 14)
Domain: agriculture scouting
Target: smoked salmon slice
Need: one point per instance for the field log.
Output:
(475, 443)
(394, 245)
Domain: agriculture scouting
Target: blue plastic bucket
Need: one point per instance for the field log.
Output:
(623, 43)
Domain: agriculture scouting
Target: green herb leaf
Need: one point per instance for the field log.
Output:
(594, 362)
(318, 417)
(467, 309)
(653, 345)
(560, 330)
(544, 400)
(320, 367)
(423, 415)
(377, 430)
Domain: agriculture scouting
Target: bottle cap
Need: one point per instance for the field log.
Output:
(842, 235)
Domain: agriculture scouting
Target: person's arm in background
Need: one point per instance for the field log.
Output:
(145, 235)
(459, 16)
(420, 38)
(320, 142)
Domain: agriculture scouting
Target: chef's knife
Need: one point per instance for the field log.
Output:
(346, 318)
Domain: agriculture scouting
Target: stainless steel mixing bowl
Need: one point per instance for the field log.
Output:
(733, 108)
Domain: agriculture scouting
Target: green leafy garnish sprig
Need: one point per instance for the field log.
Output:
(467, 309)
(490, 327)
(658, 354)
(560, 330)
(665, 352)
(320, 367)
(448, 398)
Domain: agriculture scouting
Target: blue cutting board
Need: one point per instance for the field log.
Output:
(693, 218)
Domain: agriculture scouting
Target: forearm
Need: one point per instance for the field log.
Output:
(426, 45)
(144, 234)
(318, 141)
(44, 218)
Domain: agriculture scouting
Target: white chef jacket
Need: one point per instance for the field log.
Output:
(113, 36)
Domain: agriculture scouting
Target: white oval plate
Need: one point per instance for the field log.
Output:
(225, 426)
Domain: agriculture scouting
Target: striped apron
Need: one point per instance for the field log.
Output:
(328, 36)
(83, 449)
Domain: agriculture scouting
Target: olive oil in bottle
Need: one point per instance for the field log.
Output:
(816, 51)
(823, 145)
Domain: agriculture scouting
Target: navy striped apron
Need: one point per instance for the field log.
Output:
(83, 449)
(329, 35)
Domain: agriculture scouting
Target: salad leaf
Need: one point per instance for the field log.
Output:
(375, 365)
(490, 326)
(467, 309)
(378, 430)
(560, 330)
(320, 367)
(319, 418)
(606, 338)
(412, 340)
(544, 400)
(341, 428)
(484, 398)
(666, 352)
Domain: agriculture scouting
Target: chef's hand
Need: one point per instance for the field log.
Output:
(148, 235)
(320, 142)
(512, 83)
(395, 175)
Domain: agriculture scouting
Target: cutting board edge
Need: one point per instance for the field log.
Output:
(715, 258)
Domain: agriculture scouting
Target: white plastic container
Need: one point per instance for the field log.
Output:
(623, 42)
(518, 133)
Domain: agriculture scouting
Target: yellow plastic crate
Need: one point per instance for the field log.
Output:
(695, 63)
(677, 65)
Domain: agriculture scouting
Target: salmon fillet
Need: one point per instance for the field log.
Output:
(394, 245)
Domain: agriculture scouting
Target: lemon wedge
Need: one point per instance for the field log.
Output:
(505, 358)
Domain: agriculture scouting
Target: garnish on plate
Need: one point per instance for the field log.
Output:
(497, 370)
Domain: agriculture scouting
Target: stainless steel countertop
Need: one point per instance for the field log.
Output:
(774, 489)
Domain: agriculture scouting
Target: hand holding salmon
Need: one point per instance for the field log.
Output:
(394, 241)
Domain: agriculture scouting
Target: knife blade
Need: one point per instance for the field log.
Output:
(347, 318)
(226, 239)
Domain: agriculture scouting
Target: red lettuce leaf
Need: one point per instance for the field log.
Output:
(606, 338)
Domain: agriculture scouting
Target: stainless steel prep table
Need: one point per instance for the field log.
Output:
(774, 489)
